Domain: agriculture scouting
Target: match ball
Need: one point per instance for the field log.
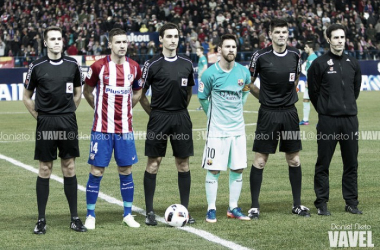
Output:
(176, 215)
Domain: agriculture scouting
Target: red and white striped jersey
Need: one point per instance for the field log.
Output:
(114, 89)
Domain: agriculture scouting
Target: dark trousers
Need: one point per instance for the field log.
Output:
(332, 130)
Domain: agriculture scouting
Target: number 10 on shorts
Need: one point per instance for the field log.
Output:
(210, 153)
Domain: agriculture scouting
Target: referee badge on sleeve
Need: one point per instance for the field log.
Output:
(184, 82)
(69, 88)
(292, 77)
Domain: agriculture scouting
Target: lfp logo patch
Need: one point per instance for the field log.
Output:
(240, 82)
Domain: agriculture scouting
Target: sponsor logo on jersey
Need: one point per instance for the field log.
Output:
(201, 87)
(292, 77)
(330, 62)
(69, 88)
(117, 90)
(331, 71)
(184, 82)
(89, 73)
(240, 82)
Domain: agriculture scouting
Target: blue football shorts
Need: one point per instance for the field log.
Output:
(103, 144)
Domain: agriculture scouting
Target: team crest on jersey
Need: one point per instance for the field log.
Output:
(209, 162)
(201, 87)
(89, 73)
(130, 76)
(292, 77)
(330, 62)
(240, 82)
(331, 71)
(184, 82)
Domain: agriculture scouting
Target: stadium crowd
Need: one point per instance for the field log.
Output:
(86, 24)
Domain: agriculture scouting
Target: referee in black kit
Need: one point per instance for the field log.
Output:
(334, 85)
(278, 67)
(57, 80)
(171, 80)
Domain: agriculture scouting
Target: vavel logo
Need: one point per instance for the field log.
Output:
(350, 235)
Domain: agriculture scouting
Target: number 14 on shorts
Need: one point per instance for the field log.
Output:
(93, 150)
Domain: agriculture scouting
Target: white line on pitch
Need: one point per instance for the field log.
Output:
(201, 233)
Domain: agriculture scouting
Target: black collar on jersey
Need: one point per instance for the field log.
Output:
(280, 54)
(56, 61)
(169, 59)
(335, 56)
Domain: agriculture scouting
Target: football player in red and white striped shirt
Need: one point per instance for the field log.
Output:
(118, 89)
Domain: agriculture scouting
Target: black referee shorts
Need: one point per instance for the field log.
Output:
(56, 131)
(277, 124)
(173, 126)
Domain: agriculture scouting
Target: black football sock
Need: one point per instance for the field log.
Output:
(70, 185)
(42, 190)
(295, 177)
(149, 189)
(255, 180)
(184, 183)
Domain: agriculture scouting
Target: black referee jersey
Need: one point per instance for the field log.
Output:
(54, 81)
(168, 79)
(278, 73)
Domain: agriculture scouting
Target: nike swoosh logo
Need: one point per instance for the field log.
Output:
(133, 158)
(125, 184)
(92, 186)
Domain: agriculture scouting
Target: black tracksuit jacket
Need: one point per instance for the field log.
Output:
(334, 84)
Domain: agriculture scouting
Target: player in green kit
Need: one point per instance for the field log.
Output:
(202, 66)
(309, 49)
(222, 93)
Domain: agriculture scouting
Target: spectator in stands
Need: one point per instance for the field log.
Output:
(143, 51)
(371, 32)
(143, 28)
(219, 16)
(97, 49)
(2, 47)
(72, 50)
(81, 44)
(194, 44)
(151, 49)
(205, 45)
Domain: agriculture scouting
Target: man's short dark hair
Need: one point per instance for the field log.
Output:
(201, 48)
(116, 32)
(278, 23)
(50, 29)
(332, 27)
(167, 26)
(310, 44)
(227, 37)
